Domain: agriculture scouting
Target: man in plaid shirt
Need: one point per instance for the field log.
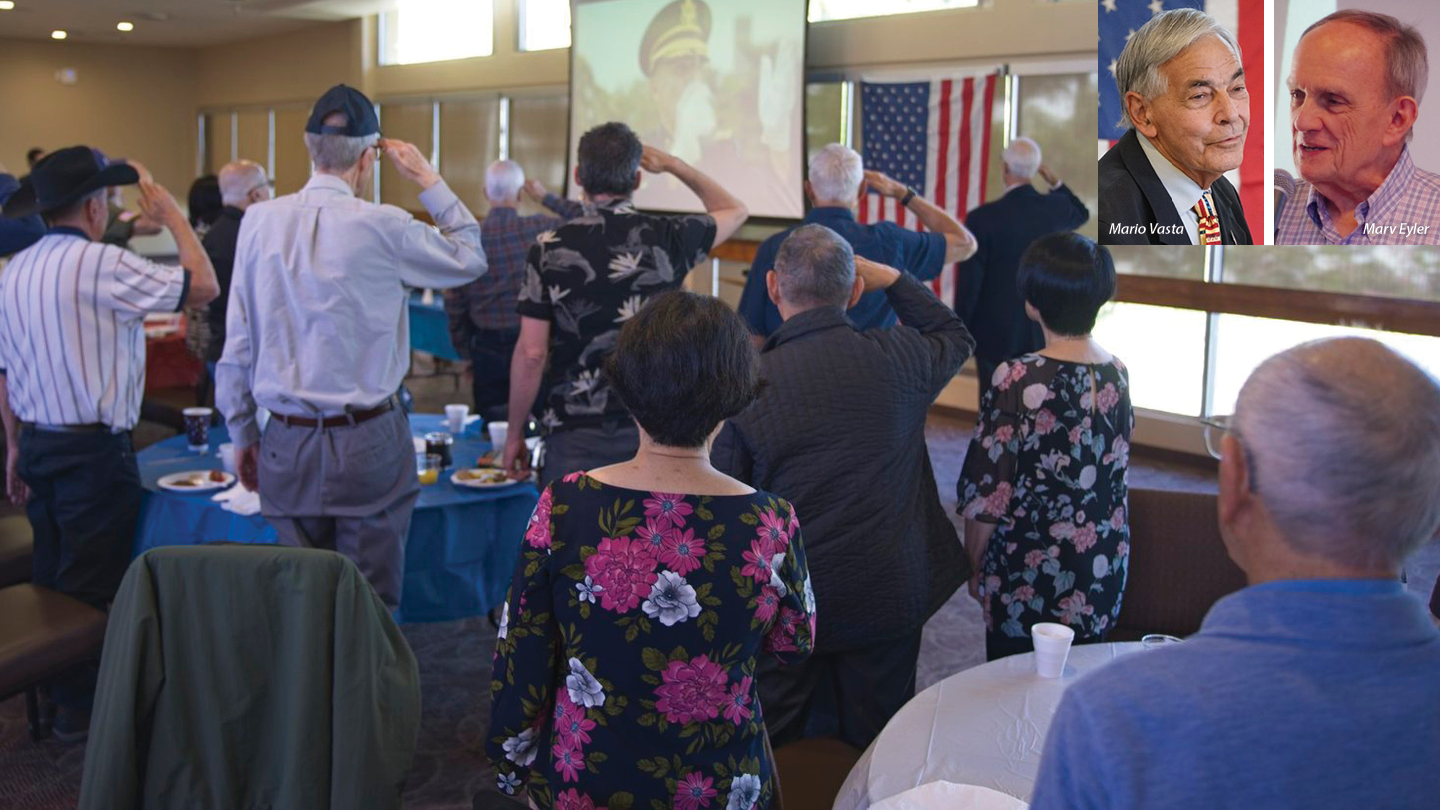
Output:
(483, 323)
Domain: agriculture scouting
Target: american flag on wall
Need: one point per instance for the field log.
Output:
(933, 136)
(1245, 19)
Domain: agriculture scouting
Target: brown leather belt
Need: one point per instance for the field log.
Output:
(351, 418)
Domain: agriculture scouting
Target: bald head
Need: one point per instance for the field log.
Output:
(1021, 160)
(242, 183)
(1344, 437)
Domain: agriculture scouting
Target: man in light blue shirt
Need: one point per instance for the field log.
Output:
(1319, 684)
(318, 333)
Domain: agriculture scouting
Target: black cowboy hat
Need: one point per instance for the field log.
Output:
(65, 176)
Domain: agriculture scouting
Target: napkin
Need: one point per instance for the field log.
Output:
(950, 796)
(239, 500)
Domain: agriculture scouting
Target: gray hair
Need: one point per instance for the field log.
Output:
(1158, 41)
(816, 267)
(1406, 67)
(1344, 435)
(336, 153)
(503, 180)
(1022, 157)
(836, 172)
(238, 179)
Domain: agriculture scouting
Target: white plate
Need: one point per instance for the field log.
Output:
(200, 478)
(476, 483)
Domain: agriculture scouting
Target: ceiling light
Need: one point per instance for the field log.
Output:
(6, 5)
(58, 34)
(124, 26)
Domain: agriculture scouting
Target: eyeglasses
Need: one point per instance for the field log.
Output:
(1215, 428)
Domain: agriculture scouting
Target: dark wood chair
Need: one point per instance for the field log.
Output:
(17, 550)
(42, 634)
(1178, 564)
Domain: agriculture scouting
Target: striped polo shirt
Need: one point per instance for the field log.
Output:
(72, 328)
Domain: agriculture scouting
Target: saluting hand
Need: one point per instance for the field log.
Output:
(655, 161)
(409, 162)
(535, 189)
(876, 276)
(157, 203)
(883, 185)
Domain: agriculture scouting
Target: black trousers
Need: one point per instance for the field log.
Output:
(850, 694)
(84, 505)
(490, 354)
(588, 448)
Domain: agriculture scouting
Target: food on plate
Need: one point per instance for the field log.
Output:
(183, 482)
(483, 475)
(218, 476)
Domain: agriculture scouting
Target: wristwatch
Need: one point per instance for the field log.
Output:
(909, 195)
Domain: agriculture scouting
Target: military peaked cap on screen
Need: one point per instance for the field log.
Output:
(360, 118)
(680, 29)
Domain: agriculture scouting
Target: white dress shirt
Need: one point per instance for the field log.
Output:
(72, 329)
(1183, 191)
(318, 322)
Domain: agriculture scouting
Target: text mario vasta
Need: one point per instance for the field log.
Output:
(1117, 229)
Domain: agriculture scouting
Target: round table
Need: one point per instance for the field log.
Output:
(460, 553)
(984, 726)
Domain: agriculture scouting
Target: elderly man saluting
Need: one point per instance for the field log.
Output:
(1355, 86)
(1319, 684)
(72, 372)
(318, 334)
(1187, 110)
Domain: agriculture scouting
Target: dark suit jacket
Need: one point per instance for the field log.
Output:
(985, 295)
(220, 242)
(840, 432)
(1132, 194)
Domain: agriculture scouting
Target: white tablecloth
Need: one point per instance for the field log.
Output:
(985, 726)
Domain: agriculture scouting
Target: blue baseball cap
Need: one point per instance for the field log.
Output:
(360, 118)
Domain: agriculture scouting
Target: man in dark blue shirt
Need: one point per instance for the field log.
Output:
(16, 234)
(834, 189)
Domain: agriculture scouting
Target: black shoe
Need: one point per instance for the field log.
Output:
(71, 725)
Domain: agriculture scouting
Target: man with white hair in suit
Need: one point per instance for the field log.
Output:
(483, 323)
(1186, 114)
(986, 297)
(836, 182)
(1319, 684)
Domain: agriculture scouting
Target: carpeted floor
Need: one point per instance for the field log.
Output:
(455, 662)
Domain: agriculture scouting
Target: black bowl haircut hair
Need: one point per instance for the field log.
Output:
(682, 365)
(608, 159)
(1067, 278)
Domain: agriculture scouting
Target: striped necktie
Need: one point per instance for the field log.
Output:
(1209, 219)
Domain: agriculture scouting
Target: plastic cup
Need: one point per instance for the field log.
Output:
(197, 427)
(427, 468)
(455, 417)
(227, 457)
(499, 431)
(1052, 647)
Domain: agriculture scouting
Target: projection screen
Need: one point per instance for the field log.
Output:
(718, 83)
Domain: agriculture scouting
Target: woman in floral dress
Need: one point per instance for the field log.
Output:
(624, 672)
(1043, 488)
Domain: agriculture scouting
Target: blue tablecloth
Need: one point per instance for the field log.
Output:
(459, 556)
(430, 328)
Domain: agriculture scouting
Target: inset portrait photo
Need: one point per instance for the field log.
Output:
(1353, 167)
(1181, 142)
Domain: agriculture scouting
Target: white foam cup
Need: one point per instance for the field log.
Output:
(455, 417)
(1052, 647)
(498, 432)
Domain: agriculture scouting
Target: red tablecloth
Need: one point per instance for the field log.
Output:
(169, 364)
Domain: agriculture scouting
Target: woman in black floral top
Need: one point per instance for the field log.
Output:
(624, 673)
(1043, 489)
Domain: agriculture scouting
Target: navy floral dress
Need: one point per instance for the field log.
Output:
(625, 667)
(1048, 463)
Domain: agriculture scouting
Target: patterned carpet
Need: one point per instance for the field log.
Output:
(455, 671)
